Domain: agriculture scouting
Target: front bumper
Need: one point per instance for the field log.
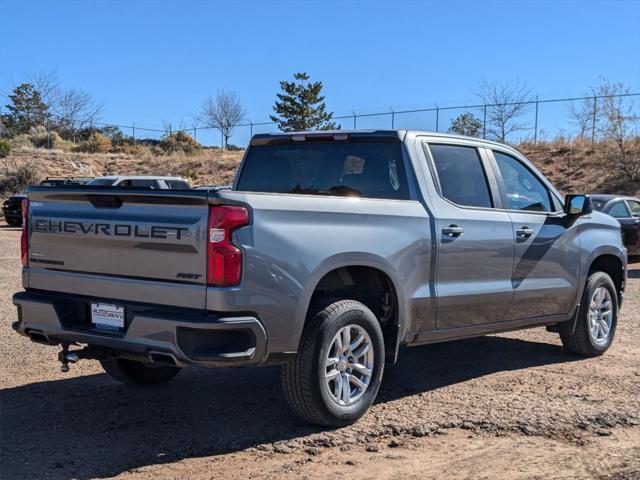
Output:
(152, 332)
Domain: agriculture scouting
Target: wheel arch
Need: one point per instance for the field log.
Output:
(358, 277)
(612, 266)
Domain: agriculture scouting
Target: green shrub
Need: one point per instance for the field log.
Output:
(179, 142)
(96, 143)
(5, 147)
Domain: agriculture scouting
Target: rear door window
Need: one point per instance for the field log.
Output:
(370, 168)
(461, 175)
(634, 206)
(619, 210)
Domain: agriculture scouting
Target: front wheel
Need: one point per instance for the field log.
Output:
(131, 372)
(597, 318)
(337, 371)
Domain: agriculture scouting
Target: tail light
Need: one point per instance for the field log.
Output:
(24, 238)
(224, 259)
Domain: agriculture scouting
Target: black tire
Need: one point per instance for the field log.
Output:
(303, 376)
(133, 373)
(580, 342)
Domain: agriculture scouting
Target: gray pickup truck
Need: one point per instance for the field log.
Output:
(330, 251)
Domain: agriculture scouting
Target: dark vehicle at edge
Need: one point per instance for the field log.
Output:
(12, 210)
(627, 211)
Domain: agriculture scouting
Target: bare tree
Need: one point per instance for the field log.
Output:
(619, 126)
(505, 105)
(581, 115)
(223, 112)
(74, 109)
(47, 83)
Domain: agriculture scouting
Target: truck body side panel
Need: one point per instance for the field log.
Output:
(294, 240)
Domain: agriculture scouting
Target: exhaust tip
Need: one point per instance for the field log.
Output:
(163, 358)
(38, 337)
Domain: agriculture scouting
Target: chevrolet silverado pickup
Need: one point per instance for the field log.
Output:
(330, 251)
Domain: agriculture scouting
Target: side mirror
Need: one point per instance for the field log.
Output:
(576, 205)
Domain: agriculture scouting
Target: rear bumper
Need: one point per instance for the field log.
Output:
(152, 332)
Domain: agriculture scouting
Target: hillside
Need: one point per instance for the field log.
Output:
(210, 167)
(572, 167)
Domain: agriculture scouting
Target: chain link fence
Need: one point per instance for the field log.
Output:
(537, 120)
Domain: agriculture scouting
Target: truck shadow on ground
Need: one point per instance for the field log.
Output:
(87, 427)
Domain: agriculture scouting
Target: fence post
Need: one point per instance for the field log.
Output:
(535, 132)
(354, 119)
(250, 129)
(484, 122)
(437, 117)
(133, 128)
(593, 120)
(195, 135)
(393, 118)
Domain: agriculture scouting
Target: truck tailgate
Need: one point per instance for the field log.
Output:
(133, 235)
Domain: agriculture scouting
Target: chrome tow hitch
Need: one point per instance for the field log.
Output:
(65, 357)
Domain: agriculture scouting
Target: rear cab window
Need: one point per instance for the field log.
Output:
(144, 183)
(366, 167)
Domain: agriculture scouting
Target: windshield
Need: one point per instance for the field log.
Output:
(359, 168)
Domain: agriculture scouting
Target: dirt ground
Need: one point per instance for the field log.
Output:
(508, 406)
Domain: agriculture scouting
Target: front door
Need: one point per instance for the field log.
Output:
(545, 270)
(475, 241)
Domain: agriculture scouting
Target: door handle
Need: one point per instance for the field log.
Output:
(524, 232)
(453, 231)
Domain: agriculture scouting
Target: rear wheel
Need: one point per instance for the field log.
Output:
(131, 372)
(596, 323)
(336, 374)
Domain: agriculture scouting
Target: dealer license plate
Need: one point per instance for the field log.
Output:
(106, 316)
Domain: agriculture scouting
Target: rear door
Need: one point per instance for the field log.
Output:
(628, 223)
(545, 273)
(475, 240)
(634, 244)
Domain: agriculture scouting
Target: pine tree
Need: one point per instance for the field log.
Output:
(466, 124)
(301, 106)
(26, 109)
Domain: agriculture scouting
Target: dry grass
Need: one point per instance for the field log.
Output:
(210, 167)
